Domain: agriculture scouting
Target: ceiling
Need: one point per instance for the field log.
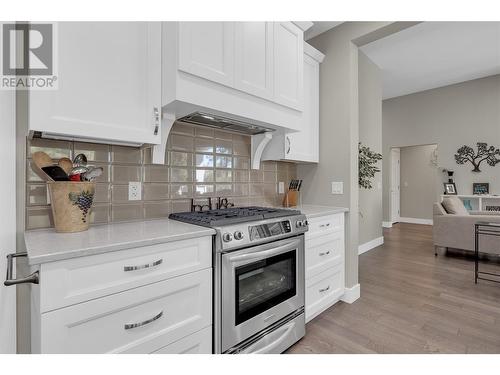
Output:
(319, 27)
(436, 54)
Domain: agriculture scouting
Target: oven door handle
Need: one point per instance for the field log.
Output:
(288, 328)
(263, 253)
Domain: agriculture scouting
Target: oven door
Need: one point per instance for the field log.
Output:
(260, 285)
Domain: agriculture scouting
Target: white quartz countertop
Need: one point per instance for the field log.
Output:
(316, 211)
(45, 245)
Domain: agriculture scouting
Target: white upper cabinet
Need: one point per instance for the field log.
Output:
(254, 50)
(288, 64)
(109, 78)
(206, 49)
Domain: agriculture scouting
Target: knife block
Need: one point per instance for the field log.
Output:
(291, 198)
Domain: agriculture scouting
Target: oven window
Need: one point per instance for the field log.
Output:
(264, 284)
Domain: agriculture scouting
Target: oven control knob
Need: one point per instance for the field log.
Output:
(227, 237)
(238, 235)
(299, 224)
(306, 223)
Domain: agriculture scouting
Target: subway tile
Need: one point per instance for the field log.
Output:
(55, 149)
(39, 217)
(241, 201)
(256, 175)
(223, 175)
(129, 155)
(126, 212)
(241, 149)
(36, 195)
(93, 151)
(256, 189)
(156, 210)
(240, 189)
(270, 189)
(147, 155)
(178, 142)
(181, 190)
(204, 145)
(241, 162)
(182, 159)
(119, 193)
(242, 138)
(125, 174)
(104, 177)
(204, 175)
(182, 128)
(204, 160)
(241, 176)
(100, 213)
(223, 161)
(269, 177)
(221, 134)
(226, 189)
(178, 174)
(154, 191)
(31, 176)
(204, 190)
(223, 147)
(102, 192)
(181, 205)
(269, 166)
(156, 173)
(203, 131)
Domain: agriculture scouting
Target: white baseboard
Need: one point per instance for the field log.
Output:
(413, 220)
(351, 294)
(367, 246)
(387, 224)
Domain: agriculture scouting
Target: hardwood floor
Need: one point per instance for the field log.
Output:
(411, 302)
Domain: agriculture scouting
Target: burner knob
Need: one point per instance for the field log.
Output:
(238, 235)
(227, 237)
(306, 223)
(299, 224)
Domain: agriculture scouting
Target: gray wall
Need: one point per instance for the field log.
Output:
(451, 116)
(370, 134)
(419, 177)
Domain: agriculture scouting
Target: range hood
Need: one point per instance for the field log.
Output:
(224, 123)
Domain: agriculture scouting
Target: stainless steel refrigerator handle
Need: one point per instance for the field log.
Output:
(33, 278)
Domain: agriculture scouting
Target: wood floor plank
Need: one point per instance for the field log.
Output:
(411, 302)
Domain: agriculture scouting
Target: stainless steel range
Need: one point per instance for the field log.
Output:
(258, 277)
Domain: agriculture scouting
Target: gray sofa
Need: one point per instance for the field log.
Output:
(457, 231)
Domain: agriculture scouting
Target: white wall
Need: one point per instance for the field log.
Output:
(451, 116)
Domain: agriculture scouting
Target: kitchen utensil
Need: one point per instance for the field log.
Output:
(80, 160)
(56, 173)
(78, 170)
(300, 184)
(75, 177)
(40, 160)
(66, 164)
(92, 173)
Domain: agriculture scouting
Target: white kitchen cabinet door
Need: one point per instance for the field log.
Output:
(288, 64)
(304, 145)
(109, 78)
(206, 49)
(254, 43)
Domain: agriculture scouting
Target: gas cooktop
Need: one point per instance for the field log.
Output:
(229, 216)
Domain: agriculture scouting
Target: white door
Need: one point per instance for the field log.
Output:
(8, 221)
(304, 145)
(288, 63)
(254, 58)
(206, 49)
(109, 77)
(395, 185)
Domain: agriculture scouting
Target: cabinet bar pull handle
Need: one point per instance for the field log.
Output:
(324, 289)
(143, 266)
(33, 278)
(156, 114)
(325, 253)
(324, 225)
(140, 324)
(289, 144)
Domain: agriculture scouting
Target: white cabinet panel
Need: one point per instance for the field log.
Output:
(324, 252)
(325, 225)
(288, 64)
(323, 290)
(198, 343)
(134, 321)
(206, 49)
(254, 58)
(109, 83)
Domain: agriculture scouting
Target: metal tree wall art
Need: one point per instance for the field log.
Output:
(466, 154)
(367, 168)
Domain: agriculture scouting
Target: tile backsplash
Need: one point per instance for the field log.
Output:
(200, 163)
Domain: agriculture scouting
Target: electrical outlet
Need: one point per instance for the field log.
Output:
(281, 187)
(337, 187)
(134, 191)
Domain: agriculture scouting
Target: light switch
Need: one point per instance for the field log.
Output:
(337, 187)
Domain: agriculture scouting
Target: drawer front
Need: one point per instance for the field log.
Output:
(198, 343)
(324, 252)
(323, 290)
(136, 321)
(72, 281)
(325, 224)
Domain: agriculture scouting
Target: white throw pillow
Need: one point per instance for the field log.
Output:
(454, 205)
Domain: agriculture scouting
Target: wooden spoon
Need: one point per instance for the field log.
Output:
(41, 160)
(66, 164)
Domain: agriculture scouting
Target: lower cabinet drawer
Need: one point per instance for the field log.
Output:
(325, 224)
(323, 252)
(139, 320)
(198, 343)
(323, 290)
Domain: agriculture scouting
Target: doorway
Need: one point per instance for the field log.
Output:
(395, 191)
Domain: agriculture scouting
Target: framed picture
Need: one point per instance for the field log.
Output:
(480, 188)
(450, 188)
